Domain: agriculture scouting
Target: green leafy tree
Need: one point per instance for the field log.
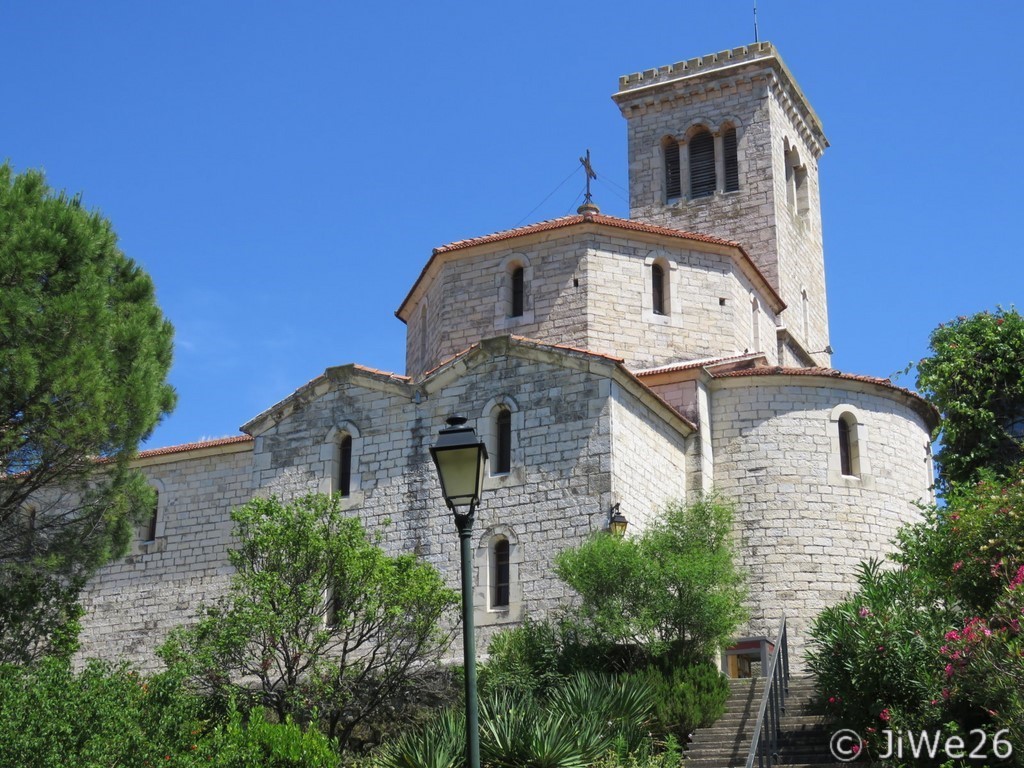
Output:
(317, 618)
(675, 590)
(84, 356)
(975, 377)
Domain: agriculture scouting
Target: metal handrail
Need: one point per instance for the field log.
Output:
(773, 703)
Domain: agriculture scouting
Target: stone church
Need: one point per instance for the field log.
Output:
(609, 364)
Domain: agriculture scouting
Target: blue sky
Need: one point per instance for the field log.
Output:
(283, 170)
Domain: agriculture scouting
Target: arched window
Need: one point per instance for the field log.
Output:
(503, 441)
(658, 303)
(500, 573)
(731, 164)
(796, 182)
(345, 465)
(673, 172)
(702, 164)
(849, 459)
(518, 293)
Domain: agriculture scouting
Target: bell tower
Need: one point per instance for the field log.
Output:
(728, 145)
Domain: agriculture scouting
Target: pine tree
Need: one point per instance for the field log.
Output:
(84, 357)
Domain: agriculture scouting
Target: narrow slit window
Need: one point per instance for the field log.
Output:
(518, 290)
(658, 289)
(503, 431)
(702, 165)
(345, 465)
(731, 160)
(151, 521)
(500, 574)
(673, 173)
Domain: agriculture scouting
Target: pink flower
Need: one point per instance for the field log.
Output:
(945, 693)
(864, 611)
(949, 671)
(958, 565)
(831, 699)
(884, 715)
(881, 648)
(855, 748)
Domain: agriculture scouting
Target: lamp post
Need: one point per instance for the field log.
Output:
(461, 459)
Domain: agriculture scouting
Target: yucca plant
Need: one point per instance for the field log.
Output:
(440, 743)
(621, 708)
(518, 734)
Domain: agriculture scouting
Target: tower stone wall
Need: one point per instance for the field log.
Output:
(775, 212)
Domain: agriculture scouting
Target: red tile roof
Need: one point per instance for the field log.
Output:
(923, 407)
(691, 364)
(194, 446)
(570, 221)
(568, 348)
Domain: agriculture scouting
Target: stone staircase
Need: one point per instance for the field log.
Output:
(804, 740)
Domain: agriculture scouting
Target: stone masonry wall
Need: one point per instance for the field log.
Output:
(803, 527)
(709, 305)
(467, 301)
(133, 603)
(592, 290)
(648, 461)
(557, 493)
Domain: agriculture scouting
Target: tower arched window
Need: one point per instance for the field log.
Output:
(518, 289)
(731, 163)
(658, 302)
(703, 179)
(796, 182)
(500, 573)
(503, 441)
(673, 171)
(344, 479)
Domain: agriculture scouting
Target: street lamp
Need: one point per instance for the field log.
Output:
(461, 460)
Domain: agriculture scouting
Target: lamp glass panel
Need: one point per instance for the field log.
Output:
(460, 473)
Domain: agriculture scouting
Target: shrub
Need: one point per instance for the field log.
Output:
(674, 591)
(104, 715)
(684, 698)
(260, 742)
(318, 616)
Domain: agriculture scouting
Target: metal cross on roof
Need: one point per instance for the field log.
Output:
(585, 162)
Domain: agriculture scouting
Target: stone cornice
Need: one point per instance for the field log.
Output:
(751, 63)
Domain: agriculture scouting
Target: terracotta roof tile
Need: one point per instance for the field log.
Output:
(193, 446)
(569, 221)
(691, 364)
(568, 348)
(924, 406)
